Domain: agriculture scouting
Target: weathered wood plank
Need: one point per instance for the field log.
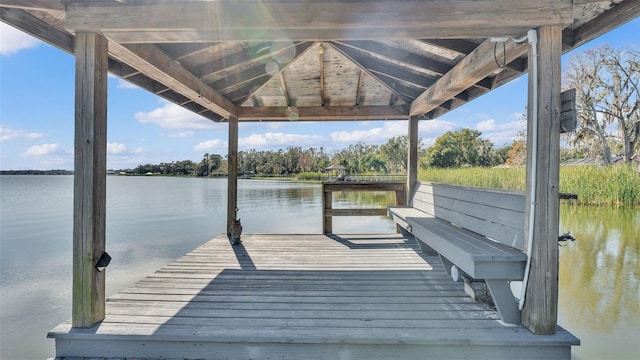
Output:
(356, 212)
(273, 19)
(363, 186)
(90, 178)
(324, 113)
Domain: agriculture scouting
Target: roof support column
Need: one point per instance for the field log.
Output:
(540, 310)
(412, 157)
(232, 169)
(90, 178)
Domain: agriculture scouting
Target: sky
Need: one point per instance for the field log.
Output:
(37, 115)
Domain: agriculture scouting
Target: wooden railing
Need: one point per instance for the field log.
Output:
(327, 200)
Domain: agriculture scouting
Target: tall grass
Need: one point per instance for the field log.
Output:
(611, 185)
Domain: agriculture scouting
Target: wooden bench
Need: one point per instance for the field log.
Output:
(478, 233)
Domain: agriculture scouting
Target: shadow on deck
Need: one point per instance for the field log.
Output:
(303, 297)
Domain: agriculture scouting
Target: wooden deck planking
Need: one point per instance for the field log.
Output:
(372, 296)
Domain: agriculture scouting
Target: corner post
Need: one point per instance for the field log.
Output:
(540, 310)
(89, 180)
(412, 158)
(232, 168)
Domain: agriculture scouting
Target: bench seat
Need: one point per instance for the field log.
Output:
(478, 233)
(476, 255)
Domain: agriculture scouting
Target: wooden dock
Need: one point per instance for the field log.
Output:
(303, 297)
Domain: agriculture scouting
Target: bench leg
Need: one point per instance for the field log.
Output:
(425, 248)
(504, 300)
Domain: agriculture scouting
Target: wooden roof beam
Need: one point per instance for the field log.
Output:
(324, 113)
(37, 28)
(476, 66)
(609, 20)
(158, 66)
(319, 20)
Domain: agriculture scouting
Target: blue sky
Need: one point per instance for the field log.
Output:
(37, 119)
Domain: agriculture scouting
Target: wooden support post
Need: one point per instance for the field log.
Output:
(327, 204)
(541, 305)
(412, 158)
(232, 167)
(90, 178)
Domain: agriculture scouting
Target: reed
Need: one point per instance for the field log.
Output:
(595, 185)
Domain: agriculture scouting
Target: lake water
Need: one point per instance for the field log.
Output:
(151, 221)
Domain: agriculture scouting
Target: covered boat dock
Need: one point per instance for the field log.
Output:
(236, 61)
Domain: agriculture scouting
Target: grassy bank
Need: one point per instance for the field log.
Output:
(594, 185)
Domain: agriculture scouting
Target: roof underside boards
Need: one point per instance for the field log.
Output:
(278, 60)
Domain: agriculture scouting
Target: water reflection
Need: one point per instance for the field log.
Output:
(600, 272)
(600, 281)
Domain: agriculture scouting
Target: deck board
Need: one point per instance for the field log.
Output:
(371, 296)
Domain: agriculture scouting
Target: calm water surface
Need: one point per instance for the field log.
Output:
(151, 221)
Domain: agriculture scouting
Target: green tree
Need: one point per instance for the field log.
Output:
(461, 147)
(607, 83)
(395, 152)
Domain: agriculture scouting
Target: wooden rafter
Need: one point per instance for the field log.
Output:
(359, 87)
(283, 89)
(321, 65)
(241, 95)
(460, 46)
(390, 69)
(160, 67)
(429, 67)
(259, 54)
(389, 85)
(473, 68)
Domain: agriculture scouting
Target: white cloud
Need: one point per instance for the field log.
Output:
(210, 145)
(8, 134)
(183, 134)
(174, 117)
(390, 129)
(435, 128)
(116, 148)
(41, 150)
(279, 140)
(500, 134)
(13, 40)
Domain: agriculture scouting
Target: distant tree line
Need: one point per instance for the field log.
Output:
(36, 172)
(464, 147)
